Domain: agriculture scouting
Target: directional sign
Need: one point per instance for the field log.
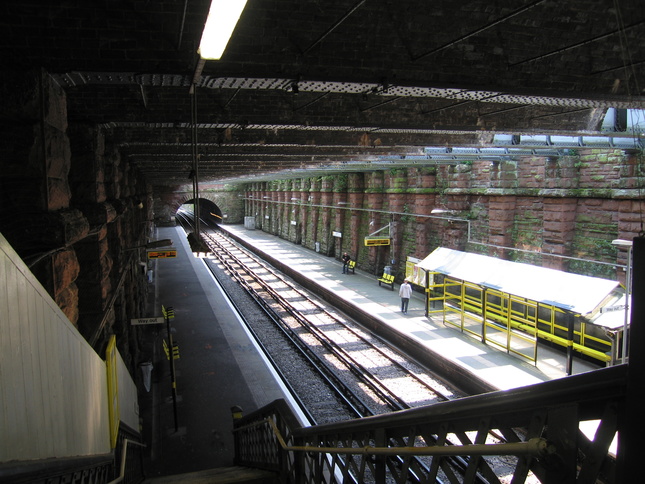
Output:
(610, 309)
(168, 313)
(175, 350)
(376, 241)
(162, 254)
(145, 321)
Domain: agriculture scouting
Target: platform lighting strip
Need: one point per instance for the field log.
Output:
(222, 19)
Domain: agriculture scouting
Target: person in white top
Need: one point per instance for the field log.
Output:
(405, 291)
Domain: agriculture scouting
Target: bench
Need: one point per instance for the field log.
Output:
(387, 279)
(351, 266)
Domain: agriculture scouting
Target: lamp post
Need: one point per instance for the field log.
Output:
(626, 244)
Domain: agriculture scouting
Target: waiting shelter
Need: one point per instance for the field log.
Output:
(513, 305)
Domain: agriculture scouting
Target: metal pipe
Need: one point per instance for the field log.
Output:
(311, 102)
(195, 162)
(197, 75)
(181, 27)
(579, 44)
(628, 283)
(333, 27)
(536, 447)
(113, 298)
(482, 29)
(388, 101)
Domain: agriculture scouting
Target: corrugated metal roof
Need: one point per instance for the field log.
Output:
(573, 292)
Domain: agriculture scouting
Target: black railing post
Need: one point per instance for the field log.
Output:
(236, 415)
(632, 419)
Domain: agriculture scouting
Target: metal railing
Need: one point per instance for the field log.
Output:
(535, 428)
(128, 458)
(475, 310)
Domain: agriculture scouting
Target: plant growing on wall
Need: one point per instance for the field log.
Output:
(341, 182)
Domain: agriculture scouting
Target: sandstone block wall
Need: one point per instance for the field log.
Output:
(70, 208)
(559, 212)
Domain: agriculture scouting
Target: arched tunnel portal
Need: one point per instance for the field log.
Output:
(209, 212)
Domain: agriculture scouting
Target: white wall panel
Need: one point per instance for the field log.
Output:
(128, 398)
(53, 391)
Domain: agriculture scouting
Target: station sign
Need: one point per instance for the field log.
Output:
(373, 241)
(146, 321)
(611, 309)
(162, 254)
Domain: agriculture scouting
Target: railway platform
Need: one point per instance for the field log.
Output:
(219, 366)
(499, 369)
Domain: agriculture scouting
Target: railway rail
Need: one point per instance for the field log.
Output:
(363, 373)
(388, 381)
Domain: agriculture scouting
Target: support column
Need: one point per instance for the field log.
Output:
(559, 229)
(358, 222)
(324, 232)
(501, 213)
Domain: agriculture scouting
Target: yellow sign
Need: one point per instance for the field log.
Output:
(373, 241)
(162, 254)
(112, 390)
(168, 313)
(175, 350)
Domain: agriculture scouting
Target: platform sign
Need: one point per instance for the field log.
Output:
(162, 254)
(175, 350)
(372, 241)
(146, 321)
(168, 313)
(611, 309)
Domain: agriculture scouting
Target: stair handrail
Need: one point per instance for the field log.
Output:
(562, 403)
(124, 456)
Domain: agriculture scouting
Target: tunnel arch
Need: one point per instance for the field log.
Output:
(209, 211)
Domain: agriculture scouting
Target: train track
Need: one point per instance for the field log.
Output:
(388, 381)
(361, 371)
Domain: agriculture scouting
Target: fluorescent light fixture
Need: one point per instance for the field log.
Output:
(221, 21)
(622, 243)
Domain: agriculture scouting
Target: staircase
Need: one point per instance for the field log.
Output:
(220, 475)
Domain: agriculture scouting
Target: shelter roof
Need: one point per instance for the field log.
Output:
(572, 292)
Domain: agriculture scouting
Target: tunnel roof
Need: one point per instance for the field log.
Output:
(306, 88)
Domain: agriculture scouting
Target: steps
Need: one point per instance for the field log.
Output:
(220, 475)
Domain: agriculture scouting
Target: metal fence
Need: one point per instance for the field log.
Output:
(531, 433)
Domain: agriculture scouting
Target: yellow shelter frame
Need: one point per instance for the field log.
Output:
(512, 323)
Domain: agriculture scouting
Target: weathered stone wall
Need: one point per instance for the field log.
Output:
(72, 209)
(560, 212)
(37, 216)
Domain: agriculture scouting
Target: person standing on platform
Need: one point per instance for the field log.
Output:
(346, 258)
(405, 291)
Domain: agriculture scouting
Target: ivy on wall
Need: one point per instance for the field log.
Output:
(582, 175)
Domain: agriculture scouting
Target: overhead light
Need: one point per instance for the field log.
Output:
(622, 243)
(221, 21)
